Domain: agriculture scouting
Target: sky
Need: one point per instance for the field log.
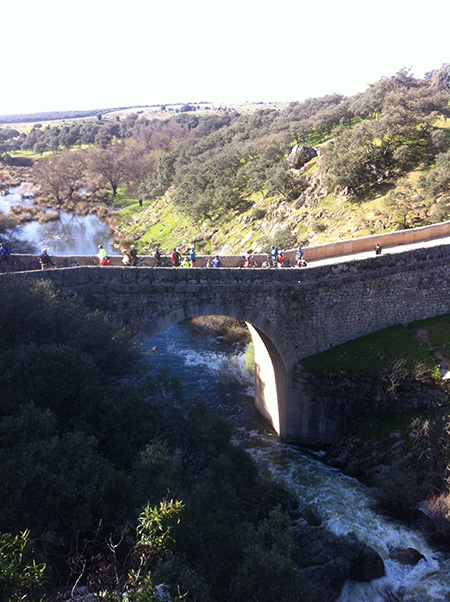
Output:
(62, 55)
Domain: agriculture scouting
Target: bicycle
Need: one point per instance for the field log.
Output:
(270, 262)
(247, 262)
(163, 262)
(286, 263)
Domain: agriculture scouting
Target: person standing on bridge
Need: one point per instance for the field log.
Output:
(5, 253)
(45, 261)
(192, 256)
(274, 256)
(157, 256)
(132, 253)
(377, 249)
(102, 256)
(126, 259)
(176, 258)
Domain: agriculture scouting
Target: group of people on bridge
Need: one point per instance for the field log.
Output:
(130, 258)
(274, 259)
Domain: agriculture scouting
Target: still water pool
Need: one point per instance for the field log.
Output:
(68, 235)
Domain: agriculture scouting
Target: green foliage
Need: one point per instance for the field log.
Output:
(402, 204)
(374, 353)
(250, 358)
(152, 541)
(285, 239)
(437, 181)
(282, 239)
(19, 572)
(267, 567)
(438, 329)
(153, 530)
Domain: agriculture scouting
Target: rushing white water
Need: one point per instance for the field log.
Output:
(343, 503)
(345, 507)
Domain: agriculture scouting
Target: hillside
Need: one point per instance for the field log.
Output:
(380, 166)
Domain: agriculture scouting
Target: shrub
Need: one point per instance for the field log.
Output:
(258, 213)
(19, 573)
(284, 239)
(250, 358)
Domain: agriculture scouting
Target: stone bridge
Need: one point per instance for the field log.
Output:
(291, 314)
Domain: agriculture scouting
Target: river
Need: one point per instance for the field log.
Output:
(68, 235)
(215, 369)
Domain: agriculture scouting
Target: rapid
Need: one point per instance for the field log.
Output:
(215, 369)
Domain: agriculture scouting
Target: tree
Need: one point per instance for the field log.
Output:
(139, 163)
(282, 181)
(437, 181)
(110, 164)
(60, 175)
(401, 204)
(48, 176)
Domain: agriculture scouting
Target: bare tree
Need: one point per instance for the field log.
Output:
(110, 164)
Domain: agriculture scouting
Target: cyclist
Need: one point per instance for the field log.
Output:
(5, 252)
(299, 257)
(176, 257)
(126, 259)
(102, 256)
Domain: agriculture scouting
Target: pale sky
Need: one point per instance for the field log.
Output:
(85, 54)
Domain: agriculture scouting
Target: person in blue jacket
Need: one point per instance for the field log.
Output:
(192, 256)
(274, 255)
(5, 252)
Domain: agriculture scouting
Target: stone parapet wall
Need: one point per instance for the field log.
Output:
(367, 243)
(31, 262)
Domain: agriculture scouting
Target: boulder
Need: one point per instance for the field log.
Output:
(406, 555)
(327, 561)
(300, 155)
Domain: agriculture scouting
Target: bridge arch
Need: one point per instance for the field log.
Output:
(270, 370)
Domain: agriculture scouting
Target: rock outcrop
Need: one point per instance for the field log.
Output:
(300, 155)
(328, 561)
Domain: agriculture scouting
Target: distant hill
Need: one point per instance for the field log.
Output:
(54, 115)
